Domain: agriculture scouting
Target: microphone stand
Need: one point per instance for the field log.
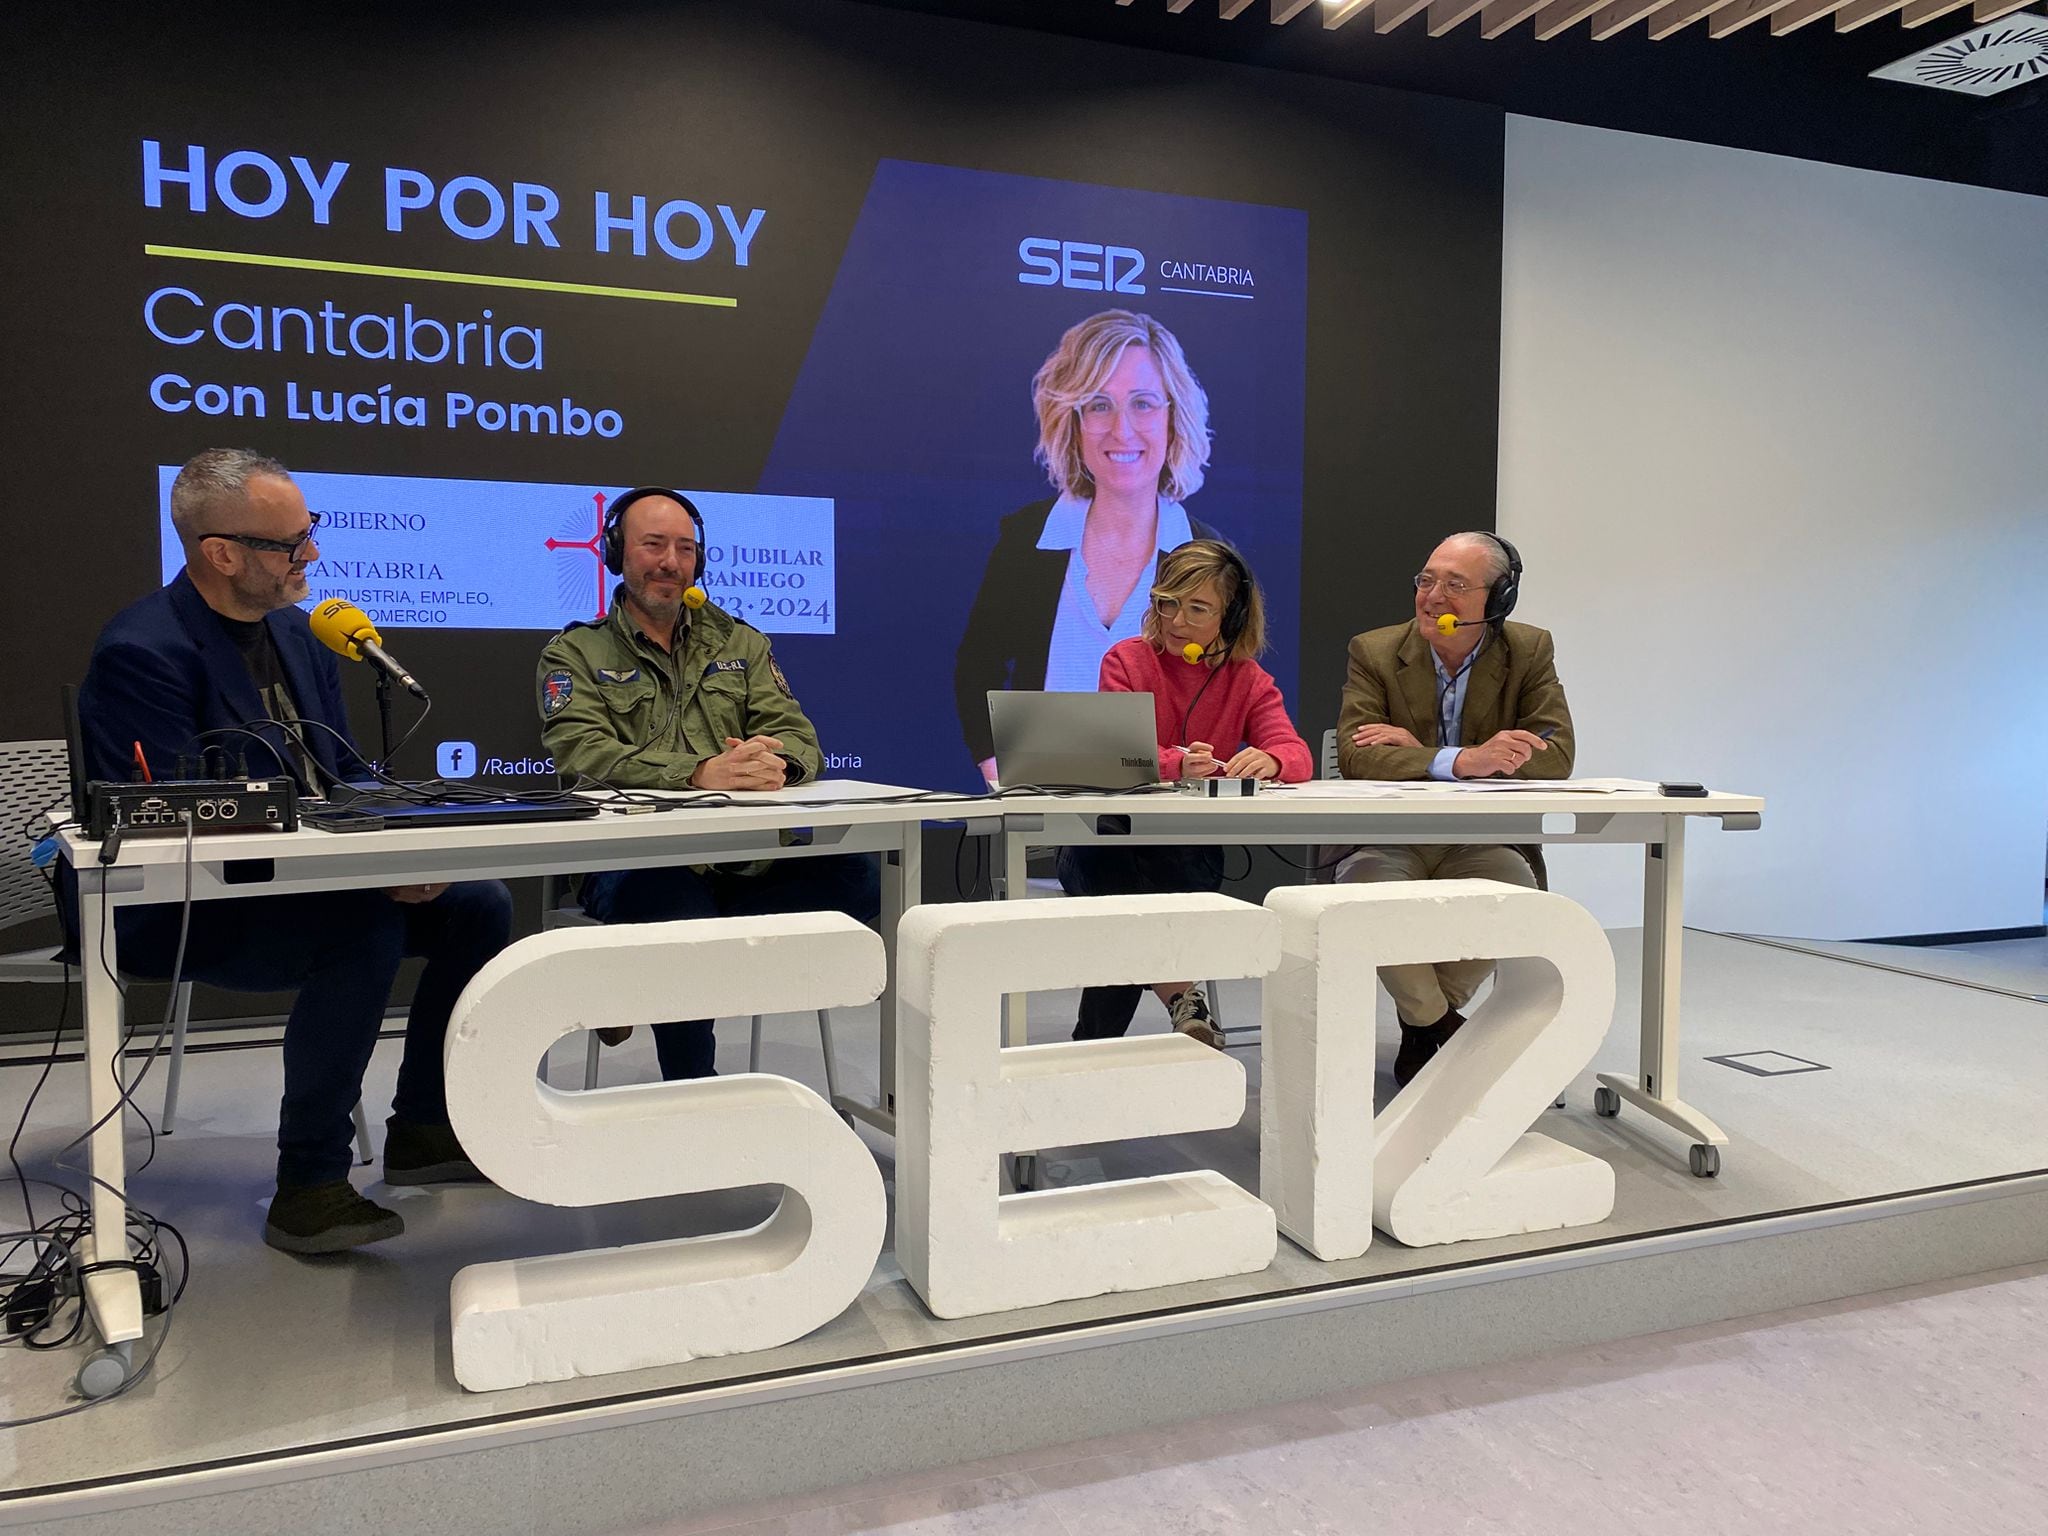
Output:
(384, 718)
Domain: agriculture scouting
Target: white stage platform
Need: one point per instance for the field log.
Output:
(1906, 1142)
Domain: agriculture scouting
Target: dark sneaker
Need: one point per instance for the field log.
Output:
(1420, 1042)
(1190, 1015)
(424, 1154)
(326, 1218)
(614, 1034)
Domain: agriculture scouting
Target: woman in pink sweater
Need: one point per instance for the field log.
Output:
(1219, 714)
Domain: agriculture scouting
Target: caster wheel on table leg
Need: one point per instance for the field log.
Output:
(1606, 1102)
(1024, 1171)
(1706, 1161)
(104, 1371)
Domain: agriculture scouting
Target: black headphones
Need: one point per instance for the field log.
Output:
(1238, 612)
(1502, 595)
(615, 527)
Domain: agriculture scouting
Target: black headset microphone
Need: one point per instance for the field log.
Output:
(1501, 596)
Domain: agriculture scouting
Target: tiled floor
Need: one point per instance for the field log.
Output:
(1916, 1412)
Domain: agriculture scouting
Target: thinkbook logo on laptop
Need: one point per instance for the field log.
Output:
(1135, 762)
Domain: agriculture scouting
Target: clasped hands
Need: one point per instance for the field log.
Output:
(750, 764)
(1498, 756)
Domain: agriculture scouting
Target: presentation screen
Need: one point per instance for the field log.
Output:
(947, 330)
(915, 436)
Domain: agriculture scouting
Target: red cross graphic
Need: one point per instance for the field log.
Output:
(595, 544)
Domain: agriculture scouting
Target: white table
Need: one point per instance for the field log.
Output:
(1331, 813)
(226, 867)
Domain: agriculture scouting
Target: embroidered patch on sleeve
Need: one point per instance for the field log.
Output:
(555, 689)
(775, 667)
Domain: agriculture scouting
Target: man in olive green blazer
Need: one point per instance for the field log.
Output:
(1482, 701)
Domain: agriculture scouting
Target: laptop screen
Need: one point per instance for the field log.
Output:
(1074, 740)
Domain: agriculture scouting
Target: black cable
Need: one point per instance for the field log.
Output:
(1189, 713)
(1309, 869)
(426, 709)
(459, 792)
(28, 1207)
(125, 1088)
(136, 1375)
(60, 1241)
(49, 827)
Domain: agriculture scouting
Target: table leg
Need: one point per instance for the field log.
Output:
(902, 889)
(1655, 1091)
(113, 1296)
(1009, 886)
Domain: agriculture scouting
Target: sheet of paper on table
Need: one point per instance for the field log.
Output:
(1388, 789)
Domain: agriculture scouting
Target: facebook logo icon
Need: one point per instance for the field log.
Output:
(456, 760)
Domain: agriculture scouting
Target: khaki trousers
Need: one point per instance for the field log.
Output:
(1423, 994)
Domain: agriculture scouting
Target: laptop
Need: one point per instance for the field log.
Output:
(376, 808)
(1074, 740)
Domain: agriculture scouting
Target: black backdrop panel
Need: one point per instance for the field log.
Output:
(1354, 419)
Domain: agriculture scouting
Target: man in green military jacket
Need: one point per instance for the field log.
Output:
(669, 691)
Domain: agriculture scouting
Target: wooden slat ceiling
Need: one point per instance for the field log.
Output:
(1546, 19)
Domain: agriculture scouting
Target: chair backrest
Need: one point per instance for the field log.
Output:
(1329, 770)
(34, 775)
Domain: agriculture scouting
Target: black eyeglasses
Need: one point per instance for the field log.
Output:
(273, 546)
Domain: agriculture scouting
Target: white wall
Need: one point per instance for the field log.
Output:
(1774, 442)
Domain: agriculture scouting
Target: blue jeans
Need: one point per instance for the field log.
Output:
(1097, 869)
(341, 950)
(843, 882)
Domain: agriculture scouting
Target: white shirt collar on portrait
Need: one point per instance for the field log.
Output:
(1069, 514)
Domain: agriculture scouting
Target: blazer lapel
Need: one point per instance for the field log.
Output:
(1417, 677)
(235, 694)
(1485, 692)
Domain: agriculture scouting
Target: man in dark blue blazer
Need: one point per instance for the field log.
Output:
(221, 659)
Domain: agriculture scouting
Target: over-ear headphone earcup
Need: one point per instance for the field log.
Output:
(1239, 613)
(1505, 592)
(614, 533)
